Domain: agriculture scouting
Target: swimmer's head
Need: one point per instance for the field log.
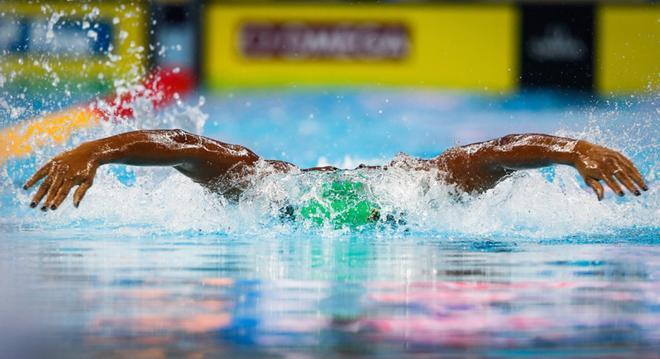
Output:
(342, 204)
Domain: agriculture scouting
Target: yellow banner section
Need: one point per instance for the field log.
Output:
(628, 48)
(22, 139)
(57, 40)
(470, 47)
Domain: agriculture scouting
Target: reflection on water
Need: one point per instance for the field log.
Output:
(241, 297)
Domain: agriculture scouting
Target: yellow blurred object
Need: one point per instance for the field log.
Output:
(125, 59)
(628, 48)
(62, 42)
(22, 139)
(470, 47)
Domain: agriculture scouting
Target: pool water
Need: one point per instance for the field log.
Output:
(151, 265)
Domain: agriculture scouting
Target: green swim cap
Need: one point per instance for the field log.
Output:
(341, 203)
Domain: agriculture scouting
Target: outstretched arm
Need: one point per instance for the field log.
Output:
(202, 159)
(480, 166)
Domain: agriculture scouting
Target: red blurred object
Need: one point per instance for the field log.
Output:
(160, 87)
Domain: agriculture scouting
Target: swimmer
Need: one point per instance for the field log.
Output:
(226, 169)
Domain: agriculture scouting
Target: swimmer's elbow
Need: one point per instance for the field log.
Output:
(180, 136)
(506, 141)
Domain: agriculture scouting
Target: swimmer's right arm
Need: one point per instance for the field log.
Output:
(200, 158)
(480, 166)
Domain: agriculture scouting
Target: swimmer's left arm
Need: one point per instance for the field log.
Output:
(481, 165)
(202, 159)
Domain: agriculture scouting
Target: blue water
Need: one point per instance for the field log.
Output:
(151, 265)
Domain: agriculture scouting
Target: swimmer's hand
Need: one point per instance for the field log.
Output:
(72, 168)
(597, 163)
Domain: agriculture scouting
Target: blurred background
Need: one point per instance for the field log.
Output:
(309, 68)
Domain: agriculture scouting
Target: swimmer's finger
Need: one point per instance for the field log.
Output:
(80, 192)
(626, 182)
(613, 185)
(61, 194)
(58, 178)
(639, 180)
(41, 173)
(596, 186)
(41, 192)
(634, 174)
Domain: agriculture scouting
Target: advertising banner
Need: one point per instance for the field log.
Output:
(628, 48)
(444, 45)
(557, 46)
